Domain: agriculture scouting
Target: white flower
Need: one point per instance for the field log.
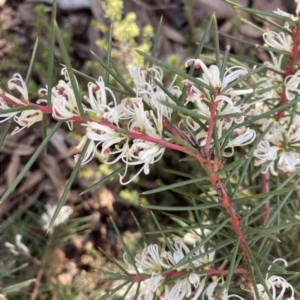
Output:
(181, 250)
(154, 282)
(156, 263)
(241, 140)
(194, 279)
(140, 153)
(210, 292)
(63, 100)
(17, 83)
(90, 152)
(147, 153)
(285, 14)
(4, 106)
(24, 118)
(279, 41)
(211, 76)
(199, 289)
(139, 77)
(27, 118)
(180, 290)
(149, 259)
(292, 89)
(275, 133)
(274, 283)
(266, 154)
(19, 246)
(61, 218)
(276, 72)
(265, 90)
(107, 137)
(98, 101)
(288, 161)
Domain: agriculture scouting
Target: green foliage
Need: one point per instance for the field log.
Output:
(224, 217)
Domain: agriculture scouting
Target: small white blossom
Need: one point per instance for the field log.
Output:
(292, 89)
(155, 262)
(278, 41)
(4, 106)
(289, 161)
(61, 218)
(154, 282)
(241, 140)
(18, 246)
(211, 76)
(285, 14)
(180, 290)
(149, 259)
(266, 154)
(24, 118)
(64, 105)
(90, 152)
(98, 101)
(274, 284)
(147, 153)
(17, 83)
(105, 136)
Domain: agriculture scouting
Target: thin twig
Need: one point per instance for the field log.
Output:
(265, 188)
(37, 285)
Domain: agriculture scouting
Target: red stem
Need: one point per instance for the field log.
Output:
(265, 188)
(174, 274)
(37, 285)
(131, 134)
(211, 126)
(291, 68)
(224, 199)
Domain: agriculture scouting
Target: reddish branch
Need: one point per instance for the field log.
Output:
(211, 126)
(131, 134)
(265, 188)
(291, 68)
(37, 285)
(177, 274)
(224, 199)
(219, 185)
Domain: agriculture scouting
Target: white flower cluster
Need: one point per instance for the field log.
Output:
(143, 114)
(274, 283)
(220, 100)
(189, 285)
(279, 149)
(18, 246)
(220, 91)
(185, 283)
(63, 215)
(25, 118)
(131, 111)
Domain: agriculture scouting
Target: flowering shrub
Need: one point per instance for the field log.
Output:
(232, 111)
